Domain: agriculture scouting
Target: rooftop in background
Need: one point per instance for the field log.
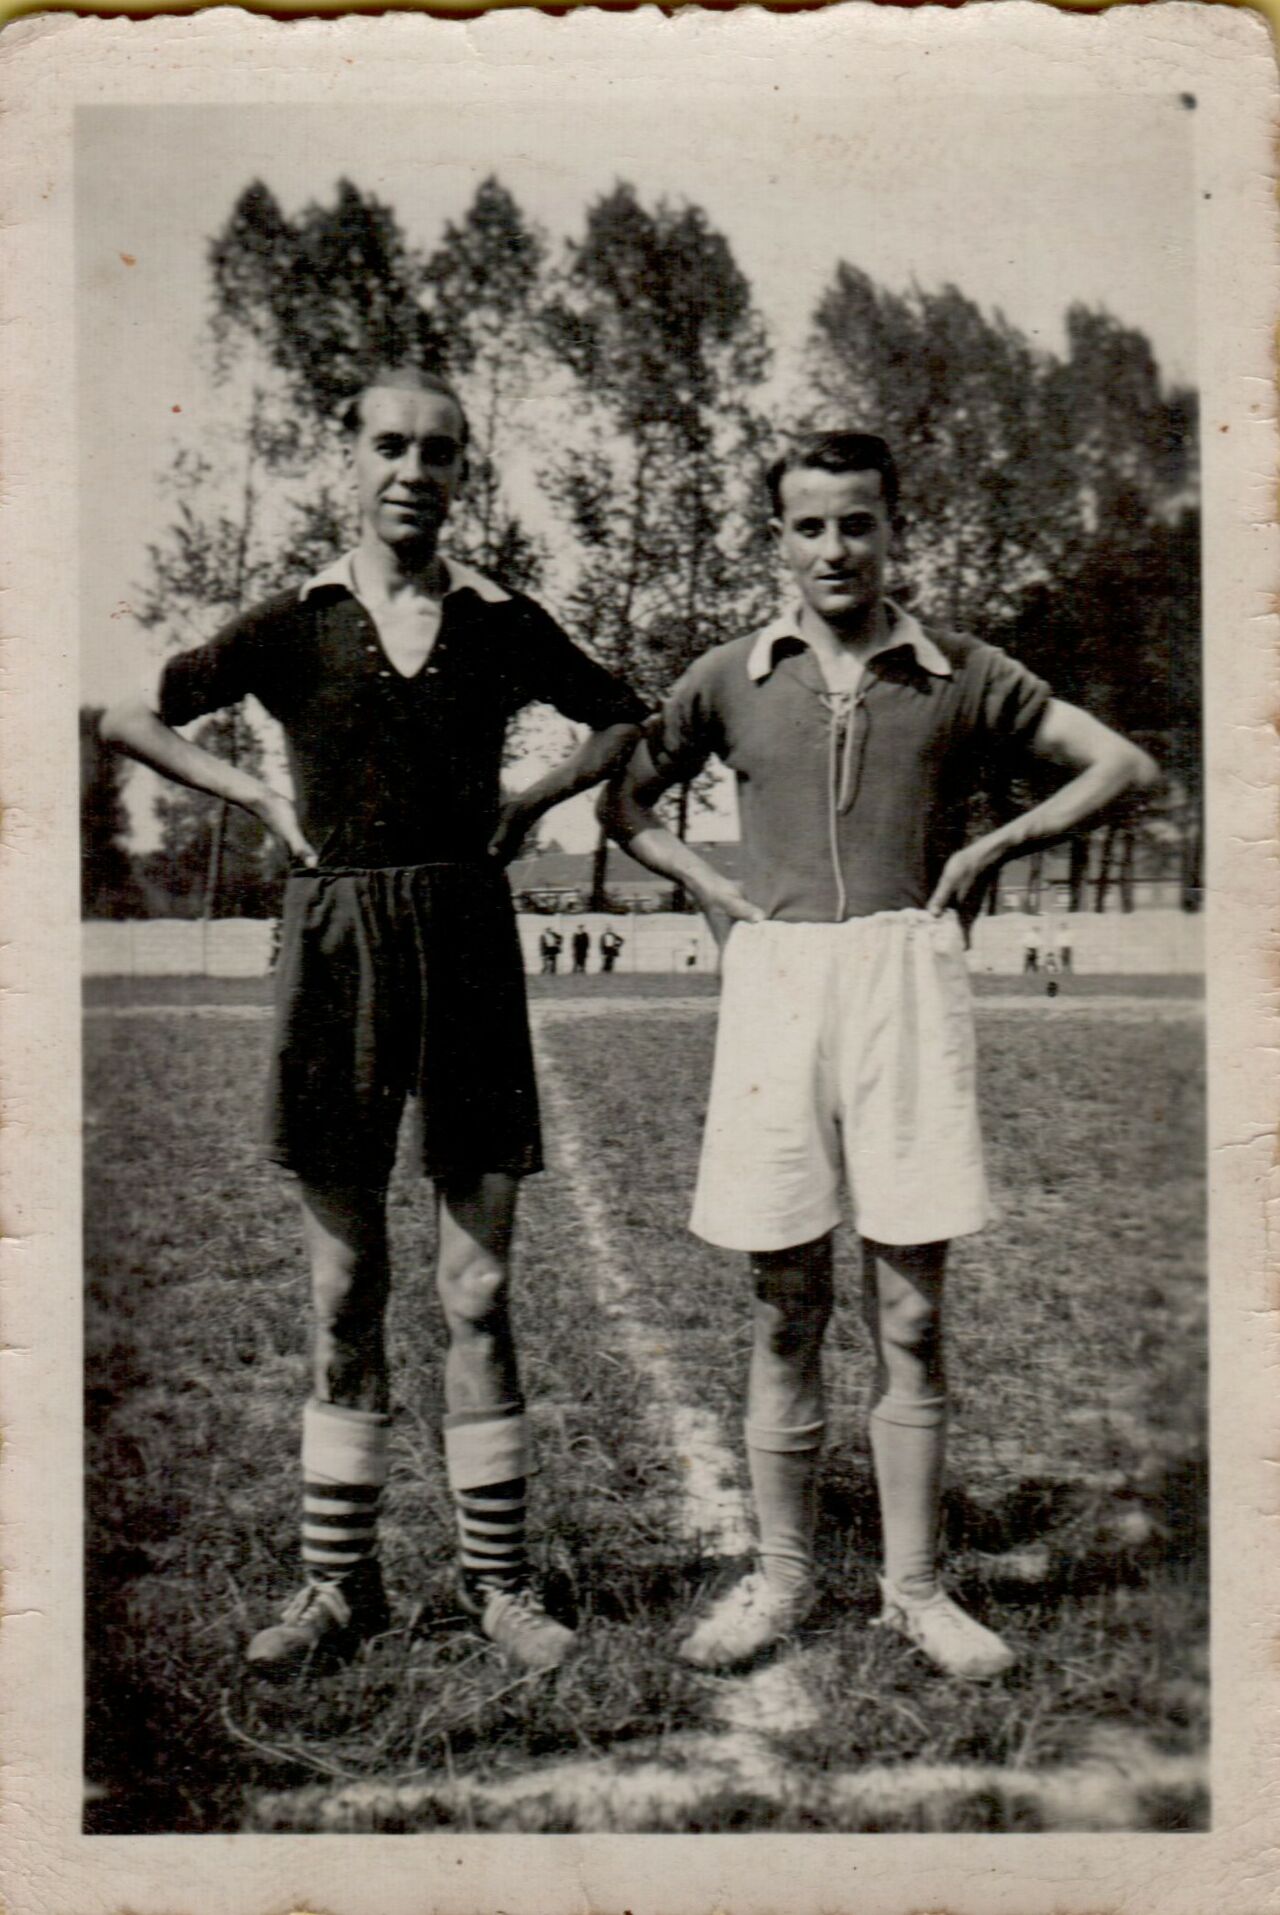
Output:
(571, 870)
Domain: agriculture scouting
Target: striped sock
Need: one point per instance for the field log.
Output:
(339, 1528)
(344, 1465)
(486, 1457)
(491, 1535)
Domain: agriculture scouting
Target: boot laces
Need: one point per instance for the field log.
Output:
(315, 1601)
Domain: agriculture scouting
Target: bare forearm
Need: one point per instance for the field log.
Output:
(1108, 768)
(1092, 792)
(599, 756)
(659, 850)
(137, 730)
(134, 727)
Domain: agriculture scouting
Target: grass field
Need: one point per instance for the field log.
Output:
(1076, 1516)
(125, 992)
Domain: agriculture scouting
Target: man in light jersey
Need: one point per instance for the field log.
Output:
(846, 1037)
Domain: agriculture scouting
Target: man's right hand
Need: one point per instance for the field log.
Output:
(277, 813)
(725, 904)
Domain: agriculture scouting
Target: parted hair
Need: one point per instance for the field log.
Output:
(844, 451)
(406, 376)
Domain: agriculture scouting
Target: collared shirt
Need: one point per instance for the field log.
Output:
(391, 769)
(850, 802)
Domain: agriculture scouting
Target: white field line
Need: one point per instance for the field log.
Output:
(713, 1506)
(773, 1700)
(1154, 1010)
(201, 1012)
(1103, 1791)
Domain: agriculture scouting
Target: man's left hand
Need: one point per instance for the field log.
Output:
(514, 821)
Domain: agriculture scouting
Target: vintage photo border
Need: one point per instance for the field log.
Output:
(1226, 58)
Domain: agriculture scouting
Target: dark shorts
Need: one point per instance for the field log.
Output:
(392, 984)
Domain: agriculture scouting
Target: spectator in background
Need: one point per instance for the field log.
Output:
(581, 948)
(611, 944)
(550, 944)
(1031, 949)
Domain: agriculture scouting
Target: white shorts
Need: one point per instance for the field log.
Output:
(843, 1046)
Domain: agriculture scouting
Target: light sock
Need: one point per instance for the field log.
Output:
(908, 1445)
(783, 1464)
(344, 1466)
(486, 1459)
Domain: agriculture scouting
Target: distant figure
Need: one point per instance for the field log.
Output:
(581, 948)
(1031, 950)
(550, 944)
(1064, 949)
(610, 949)
(691, 955)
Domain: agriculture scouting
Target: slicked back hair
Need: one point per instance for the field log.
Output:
(406, 377)
(836, 452)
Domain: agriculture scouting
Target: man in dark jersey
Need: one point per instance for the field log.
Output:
(845, 1050)
(394, 673)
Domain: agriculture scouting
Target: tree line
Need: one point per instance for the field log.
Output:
(1050, 500)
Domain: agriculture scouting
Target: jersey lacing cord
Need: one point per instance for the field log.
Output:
(842, 707)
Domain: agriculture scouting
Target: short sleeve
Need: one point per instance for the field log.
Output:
(1012, 701)
(212, 676)
(555, 671)
(686, 732)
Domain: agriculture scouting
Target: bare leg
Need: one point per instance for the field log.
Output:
(476, 1219)
(791, 1311)
(344, 1433)
(902, 1288)
(345, 1229)
(902, 1294)
(785, 1406)
(784, 1440)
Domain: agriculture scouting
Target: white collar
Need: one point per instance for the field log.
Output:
(904, 630)
(458, 577)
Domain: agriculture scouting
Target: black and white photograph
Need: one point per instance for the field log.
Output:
(648, 859)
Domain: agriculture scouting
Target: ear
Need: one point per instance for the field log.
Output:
(775, 530)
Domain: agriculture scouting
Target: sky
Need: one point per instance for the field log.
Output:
(1027, 205)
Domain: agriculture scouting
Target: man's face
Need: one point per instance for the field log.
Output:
(407, 461)
(834, 534)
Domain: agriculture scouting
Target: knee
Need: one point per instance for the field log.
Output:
(793, 1300)
(473, 1293)
(347, 1284)
(795, 1282)
(911, 1323)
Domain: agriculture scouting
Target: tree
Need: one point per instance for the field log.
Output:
(107, 886)
(1049, 506)
(213, 858)
(235, 537)
(482, 291)
(655, 321)
(325, 297)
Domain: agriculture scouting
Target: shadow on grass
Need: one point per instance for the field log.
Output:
(1043, 1540)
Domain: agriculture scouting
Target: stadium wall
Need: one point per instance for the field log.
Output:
(1111, 941)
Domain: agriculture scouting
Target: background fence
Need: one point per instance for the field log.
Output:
(1109, 941)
